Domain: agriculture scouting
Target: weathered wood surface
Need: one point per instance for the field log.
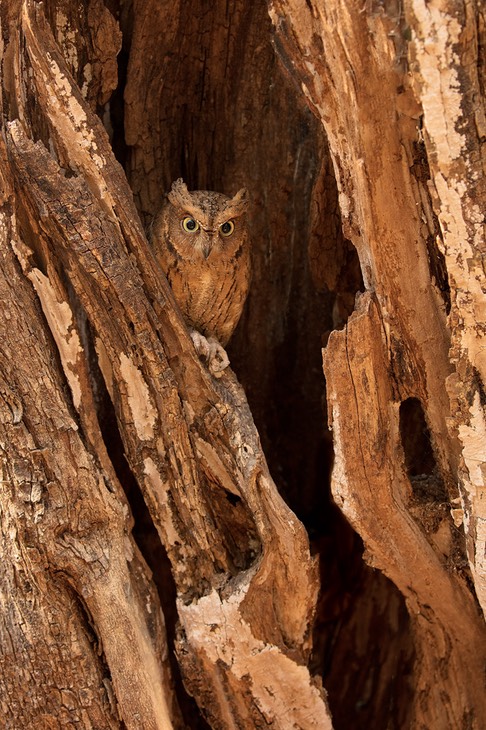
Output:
(399, 344)
(85, 308)
(245, 580)
(448, 48)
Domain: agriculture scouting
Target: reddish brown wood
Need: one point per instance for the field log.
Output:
(120, 451)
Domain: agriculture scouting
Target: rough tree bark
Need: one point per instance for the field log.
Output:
(246, 583)
(398, 351)
(134, 484)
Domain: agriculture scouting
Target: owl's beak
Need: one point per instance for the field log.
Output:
(208, 242)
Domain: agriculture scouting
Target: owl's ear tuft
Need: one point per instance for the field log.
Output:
(179, 195)
(239, 203)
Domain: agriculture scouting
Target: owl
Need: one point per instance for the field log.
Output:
(201, 241)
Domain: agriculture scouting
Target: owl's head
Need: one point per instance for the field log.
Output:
(202, 222)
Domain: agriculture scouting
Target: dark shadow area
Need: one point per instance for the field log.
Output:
(415, 436)
(430, 502)
(437, 264)
(420, 463)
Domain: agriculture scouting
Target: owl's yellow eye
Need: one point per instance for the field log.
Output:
(190, 225)
(227, 228)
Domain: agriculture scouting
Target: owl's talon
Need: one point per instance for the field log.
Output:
(210, 350)
(218, 359)
(200, 343)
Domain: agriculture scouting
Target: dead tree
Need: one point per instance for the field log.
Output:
(148, 556)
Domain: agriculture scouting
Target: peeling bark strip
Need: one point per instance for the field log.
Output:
(254, 666)
(188, 440)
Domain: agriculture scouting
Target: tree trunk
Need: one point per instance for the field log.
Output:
(148, 556)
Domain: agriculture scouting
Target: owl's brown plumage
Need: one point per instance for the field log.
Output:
(201, 241)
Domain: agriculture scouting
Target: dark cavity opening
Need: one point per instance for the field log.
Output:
(415, 436)
(420, 463)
